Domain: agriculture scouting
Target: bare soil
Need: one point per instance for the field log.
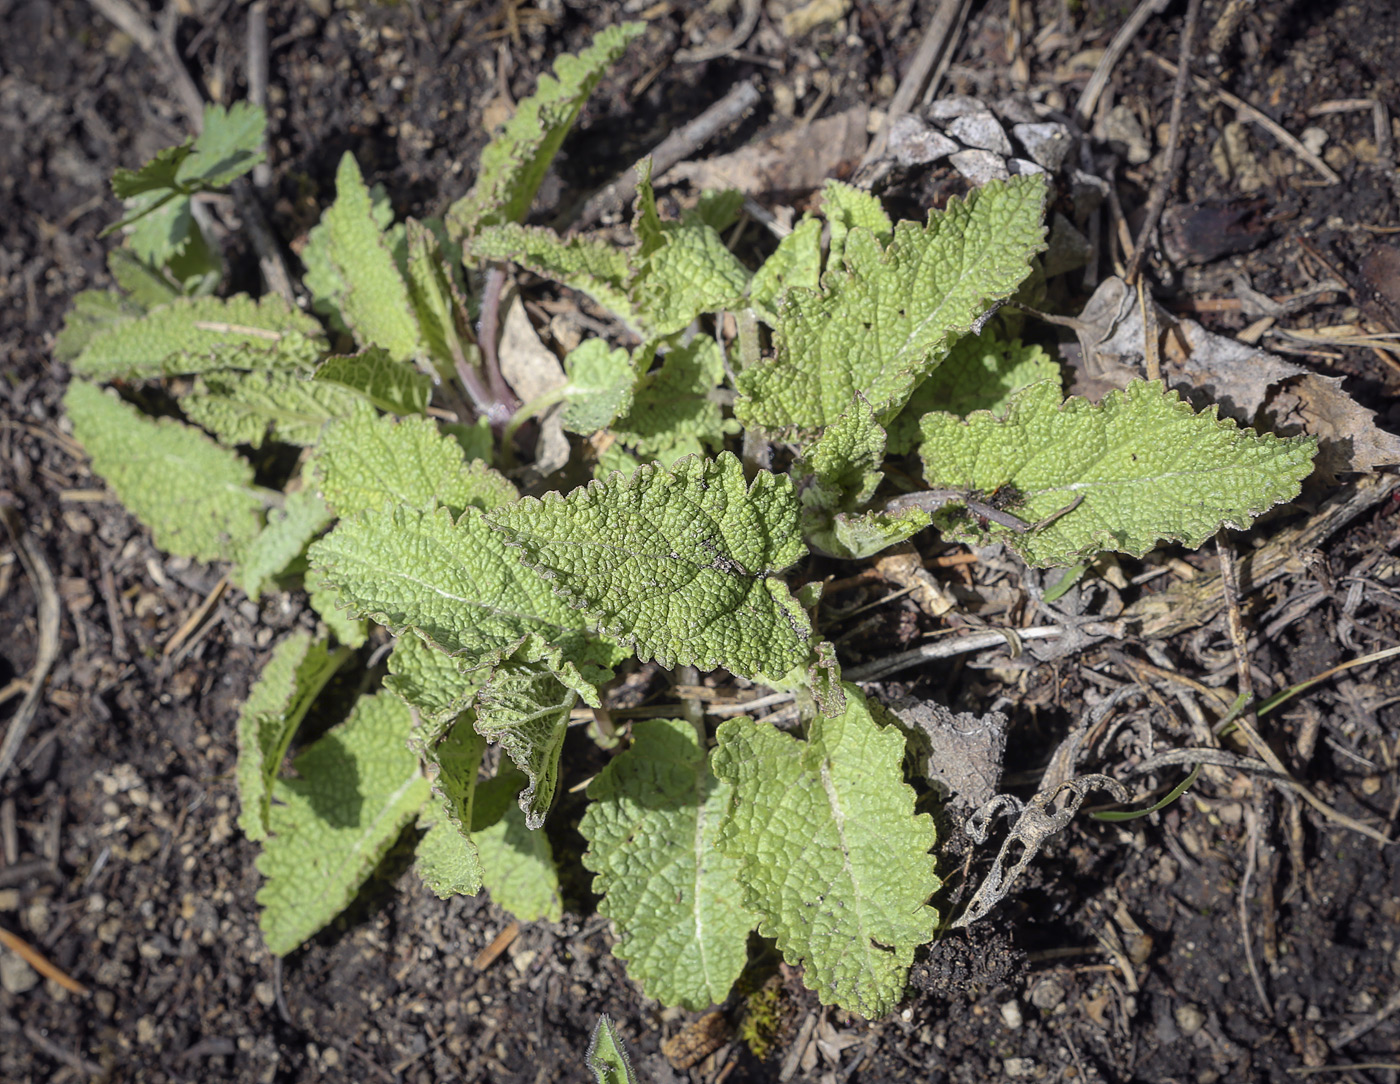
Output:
(1124, 955)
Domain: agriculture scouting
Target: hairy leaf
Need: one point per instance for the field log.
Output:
(981, 372)
(355, 790)
(681, 565)
(452, 866)
(194, 335)
(252, 407)
(434, 296)
(682, 268)
(367, 461)
(846, 208)
(833, 856)
(93, 313)
(607, 1057)
(288, 530)
(887, 316)
(146, 285)
(292, 678)
(351, 270)
(796, 262)
(517, 863)
(674, 896)
(672, 413)
(592, 265)
(514, 163)
(197, 498)
(388, 384)
(525, 707)
(1147, 467)
(429, 680)
(600, 386)
(350, 631)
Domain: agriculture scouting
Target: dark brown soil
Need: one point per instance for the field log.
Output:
(1119, 958)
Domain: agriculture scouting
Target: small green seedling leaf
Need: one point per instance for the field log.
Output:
(672, 413)
(682, 268)
(195, 335)
(367, 461)
(981, 372)
(599, 389)
(888, 315)
(292, 679)
(681, 565)
(606, 1056)
(197, 498)
(372, 373)
(517, 863)
(514, 164)
(282, 540)
(1142, 465)
(832, 854)
(674, 896)
(351, 270)
(355, 790)
(146, 286)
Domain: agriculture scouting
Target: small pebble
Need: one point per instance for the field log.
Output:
(1047, 994)
(1018, 1067)
(1189, 1019)
(1011, 1014)
(16, 976)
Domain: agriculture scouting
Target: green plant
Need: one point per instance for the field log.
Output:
(510, 611)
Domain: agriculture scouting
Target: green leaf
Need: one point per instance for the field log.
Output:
(717, 208)
(147, 286)
(452, 866)
(355, 790)
(1147, 467)
(683, 269)
(885, 318)
(351, 270)
(160, 227)
(347, 630)
(674, 896)
(457, 583)
(93, 313)
(434, 296)
(197, 499)
(680, 565)
(600, 386)
(388, 384)
(517, 863)
(672, 413)
(833, 856)
(158, 175)
(847, 208)
(429, 680)
(606, 1056)
(981, 372)
(367, 461)
(289, 529)
(290, 681)
(591, 265)
(253, 407)
(193, 335)
(796, 262)
(515, 163)
(525, 707)
(229, 145)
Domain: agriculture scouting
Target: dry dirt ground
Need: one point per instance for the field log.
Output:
(1243, 934)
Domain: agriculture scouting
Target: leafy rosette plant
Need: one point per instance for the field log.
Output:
(511, 612)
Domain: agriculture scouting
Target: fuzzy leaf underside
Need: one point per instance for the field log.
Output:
(388, 384)
(514, 164)
(351, 269)
(197, 499)
(600, 386)
(886, 316)
(457, 583)
(429, 680)
(292, 678)
(355, 791)
(366, 462)
(525, 707)
(683, 269)
(672, 414)
(517, 863)
(674, 896)
(590, 265)
(1149, 470)
(286, 534)
(252, 407)
(681, 565)
(147, 286)
(197, 334)
(981, 372)
(832, 854)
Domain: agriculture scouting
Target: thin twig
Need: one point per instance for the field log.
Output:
(31, 558)
(748, 20)
(1084, 111)
(937, 37)
(62, 1054)
(1250, 858)
(36, 959)
(1175, 153)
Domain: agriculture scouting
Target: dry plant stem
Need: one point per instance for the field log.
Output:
(36, 959)
(1094, 88)
(67, 1057)
(1239, 639)
(748, 20)
(1175, 153)
(493, 400)
(195, 619)
(946, 60)
(676, 147)
(1361, 1027)
(1248, 112)
(937, 37)
(1250, 859)
(31, 559)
